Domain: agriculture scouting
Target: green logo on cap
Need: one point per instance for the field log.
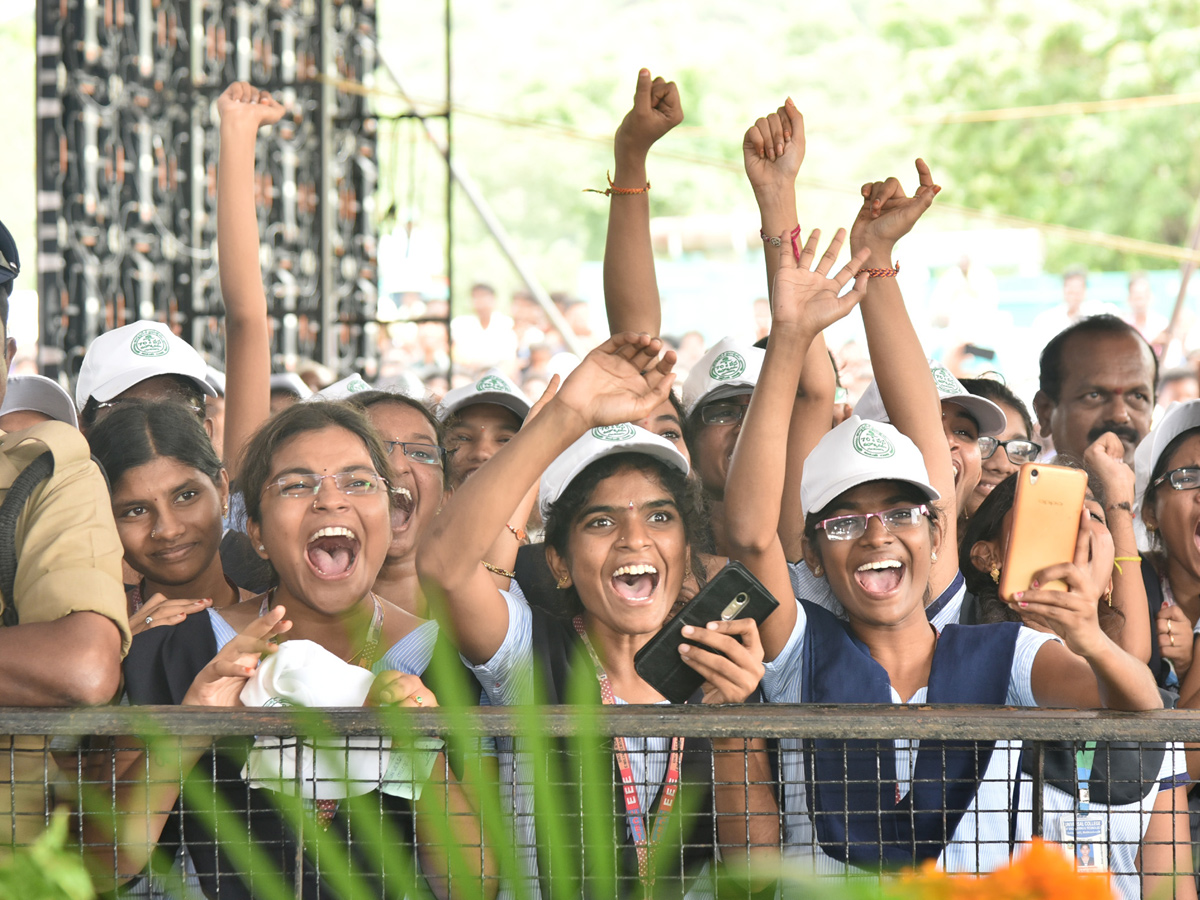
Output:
(491, 383)
(621, 432)
(726, 366)
(872, 443)
(946, 383)
(149, 342)
(354, 385)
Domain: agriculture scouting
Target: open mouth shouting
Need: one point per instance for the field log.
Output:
(403, 505)
(880, 577)
(635, 583)
(332, 552)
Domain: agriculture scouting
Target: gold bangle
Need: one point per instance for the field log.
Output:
(496, 570)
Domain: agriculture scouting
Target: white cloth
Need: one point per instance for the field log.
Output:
(303, 673)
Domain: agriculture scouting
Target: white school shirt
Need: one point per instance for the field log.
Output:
(980, 843)
(507, 680)
(1125, 825)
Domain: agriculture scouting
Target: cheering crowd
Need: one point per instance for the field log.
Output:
(201, 538)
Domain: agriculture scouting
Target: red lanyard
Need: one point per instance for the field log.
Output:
(633, 806)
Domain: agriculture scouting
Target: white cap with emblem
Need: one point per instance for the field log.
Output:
(125, 356)
(987, 414)
(729, 368)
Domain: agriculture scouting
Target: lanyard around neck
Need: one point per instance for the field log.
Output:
(633, 806)
(1083, 770)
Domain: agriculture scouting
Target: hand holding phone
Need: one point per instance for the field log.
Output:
(737, 600)
(1045, 525)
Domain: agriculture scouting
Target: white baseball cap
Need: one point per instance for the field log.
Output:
(597, 444)
(291, 383)
(990, 417)
(858, 451)
(340, 390)
(493, 388)
(36, 393)
(125, 356)
(729, 368)
(1178, 418)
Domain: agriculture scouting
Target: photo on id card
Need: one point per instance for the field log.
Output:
(1084, 838)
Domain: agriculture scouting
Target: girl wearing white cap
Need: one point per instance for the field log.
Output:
(874, 529)
(1167, 463)
(620, 520)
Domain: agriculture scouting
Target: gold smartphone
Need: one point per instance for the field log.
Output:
(1045, 524)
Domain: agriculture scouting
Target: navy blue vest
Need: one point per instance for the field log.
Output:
(851, 785)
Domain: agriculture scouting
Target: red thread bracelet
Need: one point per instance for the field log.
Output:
(776, 242)
(613, 189)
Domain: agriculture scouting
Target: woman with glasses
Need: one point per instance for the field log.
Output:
(320, 492)
(1004, 453)
(875, 529)
(1168, 468)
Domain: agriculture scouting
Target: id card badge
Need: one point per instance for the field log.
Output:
(1084, 838)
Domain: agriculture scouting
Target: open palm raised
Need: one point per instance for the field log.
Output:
(808, 298)
(622, 380)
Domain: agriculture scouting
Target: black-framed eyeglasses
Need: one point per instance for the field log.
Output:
(1018, 450)
(1184, 479)
(102, 409)
(849, 528)
(722, 412)
(426, 454)
(301, 485)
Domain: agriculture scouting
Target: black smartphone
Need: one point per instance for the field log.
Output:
(734, 593)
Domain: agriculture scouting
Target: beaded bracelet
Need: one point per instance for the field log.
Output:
(518, 533)
(774, 241)
(613, 189)
(881, 273)
(498, 571)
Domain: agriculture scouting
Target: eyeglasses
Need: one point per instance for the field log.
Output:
(1185, 479)
(103, 409)
(722, 413)
(301, 485)
(1018, 450)
(427, 454)
(849, 528)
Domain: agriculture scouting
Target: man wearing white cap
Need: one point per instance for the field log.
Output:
(65, 628)
(141, 361)
(480, 418)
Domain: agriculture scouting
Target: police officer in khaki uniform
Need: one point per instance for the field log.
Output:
(72, 632)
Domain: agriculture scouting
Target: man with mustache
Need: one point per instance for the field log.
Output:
(1096, 376)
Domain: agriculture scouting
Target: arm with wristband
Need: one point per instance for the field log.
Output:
(630, 287)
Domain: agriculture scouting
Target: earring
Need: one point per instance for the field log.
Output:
(1108, 599)
(995, 573)
(818, 571)
(262, 548)
(564, 582)
(933, 556)
(225, 510)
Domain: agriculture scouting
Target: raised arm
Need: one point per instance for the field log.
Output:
(630, 288)
(243, 110)
(901, 371)
(806, 302)
(773, 151)
(622, 380)
(1091, 670)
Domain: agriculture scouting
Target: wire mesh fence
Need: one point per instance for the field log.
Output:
(754, 800)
